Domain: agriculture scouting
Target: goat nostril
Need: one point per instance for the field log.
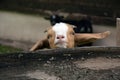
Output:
(60, 37)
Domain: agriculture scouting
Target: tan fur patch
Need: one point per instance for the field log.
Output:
(51, 38)
(70, 36)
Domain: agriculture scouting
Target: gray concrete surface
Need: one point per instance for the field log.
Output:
(110, 40)
(23, 27)
(90, 63)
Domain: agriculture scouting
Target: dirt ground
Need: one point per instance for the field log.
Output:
(100, 68)
(99, 63)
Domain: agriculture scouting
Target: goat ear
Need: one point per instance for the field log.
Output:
(87, 38)
(40, 44)
(72, 26)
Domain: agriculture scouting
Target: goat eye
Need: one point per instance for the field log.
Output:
(72, 33)
(49, 36)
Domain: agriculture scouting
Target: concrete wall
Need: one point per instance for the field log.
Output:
(108, 8)
(19, 27)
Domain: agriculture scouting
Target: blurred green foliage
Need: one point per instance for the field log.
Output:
(8, 49)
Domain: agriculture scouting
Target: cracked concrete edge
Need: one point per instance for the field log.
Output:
(69, 52)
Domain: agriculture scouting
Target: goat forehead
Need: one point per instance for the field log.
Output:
(60, 28)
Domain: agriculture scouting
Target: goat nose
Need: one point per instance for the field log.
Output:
(60, 37)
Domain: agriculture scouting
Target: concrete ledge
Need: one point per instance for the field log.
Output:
(83, 63)
(73, 52)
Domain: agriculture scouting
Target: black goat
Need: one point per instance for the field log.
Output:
(83, 26)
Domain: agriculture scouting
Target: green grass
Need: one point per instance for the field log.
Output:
(8, 49)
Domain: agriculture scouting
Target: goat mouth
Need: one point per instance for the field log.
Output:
(60, 42)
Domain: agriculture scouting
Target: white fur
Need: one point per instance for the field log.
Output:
(60, 29)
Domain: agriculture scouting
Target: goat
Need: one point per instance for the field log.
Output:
(62, 35)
